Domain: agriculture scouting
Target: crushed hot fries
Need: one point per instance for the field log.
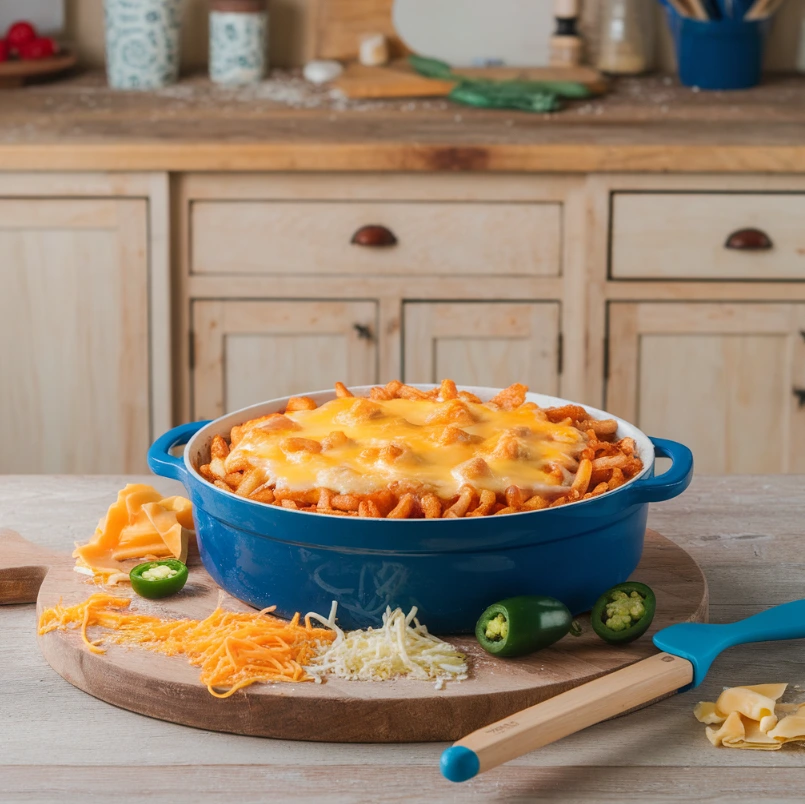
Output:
(440, 454)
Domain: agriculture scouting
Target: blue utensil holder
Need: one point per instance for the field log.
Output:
(718, 54)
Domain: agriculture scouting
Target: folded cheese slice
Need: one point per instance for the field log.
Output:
(790, 728)
(747, 718)
(139, 524)
(755, 703)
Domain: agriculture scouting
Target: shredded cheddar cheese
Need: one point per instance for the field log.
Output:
(236, 649)
(399, 649)
(233, 649)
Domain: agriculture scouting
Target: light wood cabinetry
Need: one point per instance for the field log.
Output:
(279, 299)
(483, 343)
(720, 377)
(754, 236)
(250, 351)
(430, 238)
(75, 389)
(85, 363)
(613, 290)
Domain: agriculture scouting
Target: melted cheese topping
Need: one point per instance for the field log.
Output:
(441, 444)
(401, 648)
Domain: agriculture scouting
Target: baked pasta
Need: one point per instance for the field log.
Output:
(405, 453)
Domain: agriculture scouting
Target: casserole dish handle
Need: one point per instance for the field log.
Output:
(670, 483)
(161, 462)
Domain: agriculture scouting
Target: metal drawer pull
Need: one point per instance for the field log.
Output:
(799, 393)
(364, 333)
(374, 236)
(749, 240)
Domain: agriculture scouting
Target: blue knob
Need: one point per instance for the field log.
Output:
(459, 764)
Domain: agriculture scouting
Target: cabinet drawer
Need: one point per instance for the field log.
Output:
(281, 237)
(695, 236)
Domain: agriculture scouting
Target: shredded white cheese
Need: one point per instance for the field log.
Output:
(399, 649)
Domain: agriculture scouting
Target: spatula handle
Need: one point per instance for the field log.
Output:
(565, 714)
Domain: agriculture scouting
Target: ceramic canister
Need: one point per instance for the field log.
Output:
(238, 31)
(142, 43)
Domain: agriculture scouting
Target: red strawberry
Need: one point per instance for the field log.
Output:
(19, 34)
(42, 48)
(3, 50)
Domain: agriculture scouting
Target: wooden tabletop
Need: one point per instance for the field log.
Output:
(647, 124)
(59, 744)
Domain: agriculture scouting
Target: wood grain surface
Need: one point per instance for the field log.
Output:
(399, 80)
(649, 124)
(337, 27)
(746, 532)
(338, 711)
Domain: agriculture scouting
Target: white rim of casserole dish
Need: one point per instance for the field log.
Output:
(223, 425)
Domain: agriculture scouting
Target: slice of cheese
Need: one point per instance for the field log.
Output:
(742, 732)
(751, 703)
(140, 524)
(706, 712)
(747, 718)
(789, 728)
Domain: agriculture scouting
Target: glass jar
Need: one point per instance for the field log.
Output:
(238, 41)
(626, 44)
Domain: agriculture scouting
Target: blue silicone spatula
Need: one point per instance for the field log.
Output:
(688, 650)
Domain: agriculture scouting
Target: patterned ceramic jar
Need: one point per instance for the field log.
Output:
(142, 43)
(238, 31)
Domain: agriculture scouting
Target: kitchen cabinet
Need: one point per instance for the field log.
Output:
(708, 235)
(725, 378)
(226, 289)
(75, 372)
(249, 351)
(483, 343)
(378, 238)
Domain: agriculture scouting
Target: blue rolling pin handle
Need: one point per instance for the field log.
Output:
(670, 483)
(701, 643)
(161, 462)
(459, 764)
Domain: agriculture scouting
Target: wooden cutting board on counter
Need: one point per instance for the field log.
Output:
(336, 711)
(399, 80)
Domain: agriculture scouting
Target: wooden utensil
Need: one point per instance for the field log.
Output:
(336, 711)
(681, 7)
(763, 8)
(688, 651)
(398, 80)
(698, 9)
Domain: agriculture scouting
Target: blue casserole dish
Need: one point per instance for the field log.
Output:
(451, 569)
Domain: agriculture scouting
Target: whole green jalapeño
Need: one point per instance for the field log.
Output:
(521, 625)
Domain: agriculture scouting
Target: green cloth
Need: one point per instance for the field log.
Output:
(528, 96)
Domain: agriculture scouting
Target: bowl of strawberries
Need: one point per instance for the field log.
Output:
(25, 54)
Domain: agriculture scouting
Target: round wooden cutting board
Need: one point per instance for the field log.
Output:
(336, 711)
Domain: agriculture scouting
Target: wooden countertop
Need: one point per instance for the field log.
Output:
(649, 124)
(59, 744)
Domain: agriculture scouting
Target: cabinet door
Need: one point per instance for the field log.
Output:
(722, 378)
(250, 351)
(74, 368)
(483, 343)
